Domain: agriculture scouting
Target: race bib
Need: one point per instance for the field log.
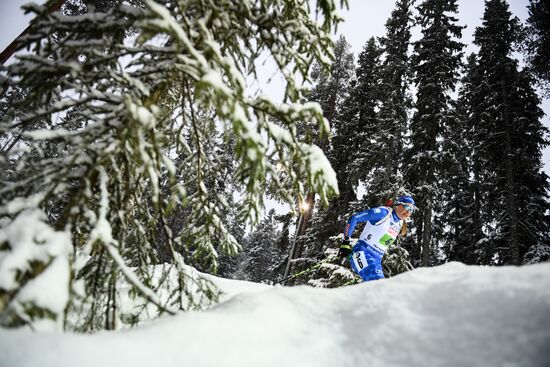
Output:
(359, 260)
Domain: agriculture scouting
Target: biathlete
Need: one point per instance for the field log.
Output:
(383, 226)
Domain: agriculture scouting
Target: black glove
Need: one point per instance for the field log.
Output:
(345, 248)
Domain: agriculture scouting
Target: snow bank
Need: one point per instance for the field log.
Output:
(452, 315)
(230, 288)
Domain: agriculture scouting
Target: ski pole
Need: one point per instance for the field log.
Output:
(292, 276)
(315, 266)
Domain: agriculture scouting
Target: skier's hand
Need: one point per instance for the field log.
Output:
(345, 248)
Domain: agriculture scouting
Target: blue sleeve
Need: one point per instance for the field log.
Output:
(372, 215)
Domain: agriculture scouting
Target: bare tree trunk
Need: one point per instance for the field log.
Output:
(292, 253)
(305, 222)
(307, 214)
(110, 310)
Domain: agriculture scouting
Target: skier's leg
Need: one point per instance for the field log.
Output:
(374, 260)
(366, 261)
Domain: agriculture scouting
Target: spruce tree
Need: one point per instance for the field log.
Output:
(282, 244)
(510, 130)
(436, 63)
(461, 208)
(395, 102)
(360, 121)
(260, 255)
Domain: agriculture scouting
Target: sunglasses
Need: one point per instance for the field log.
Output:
(408, 207)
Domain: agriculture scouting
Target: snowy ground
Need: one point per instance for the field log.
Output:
(452, 315)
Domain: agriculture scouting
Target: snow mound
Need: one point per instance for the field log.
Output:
(451, 315)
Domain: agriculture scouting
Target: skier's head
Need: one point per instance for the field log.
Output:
(405, 206)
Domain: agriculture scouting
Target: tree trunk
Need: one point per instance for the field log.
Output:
(427, 235)
(307, 214)
(477, 199)
(510, 182)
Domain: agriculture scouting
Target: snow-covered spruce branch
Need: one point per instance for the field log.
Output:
(102, 232)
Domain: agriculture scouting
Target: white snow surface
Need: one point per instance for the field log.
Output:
(451, 315)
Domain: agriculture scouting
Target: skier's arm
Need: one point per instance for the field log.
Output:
(373, 215)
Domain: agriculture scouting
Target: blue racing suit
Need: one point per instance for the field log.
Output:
(382, 228)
